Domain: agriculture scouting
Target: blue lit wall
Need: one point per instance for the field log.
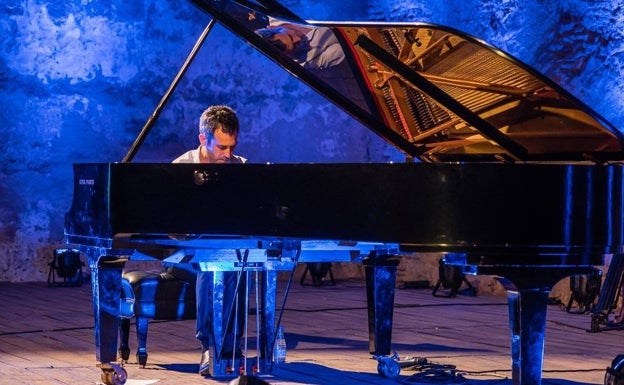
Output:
(79, 79)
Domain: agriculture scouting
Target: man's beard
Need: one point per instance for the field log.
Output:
(211, 158)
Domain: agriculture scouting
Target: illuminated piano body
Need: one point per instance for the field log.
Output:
(504, 168)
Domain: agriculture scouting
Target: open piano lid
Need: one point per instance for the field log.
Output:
(436, 93)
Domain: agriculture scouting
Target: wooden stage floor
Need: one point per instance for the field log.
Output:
(46, 337)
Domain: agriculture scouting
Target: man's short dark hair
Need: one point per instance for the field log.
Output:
(218, 116)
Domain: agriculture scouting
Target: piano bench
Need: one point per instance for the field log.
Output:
(168, 295)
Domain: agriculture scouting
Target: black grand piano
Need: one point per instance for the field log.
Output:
(504, 169)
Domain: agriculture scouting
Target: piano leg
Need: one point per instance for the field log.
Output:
(380, 272)
(527, 321)
(527, 292)
(106, 293)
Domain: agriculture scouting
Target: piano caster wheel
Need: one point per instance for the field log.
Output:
(615, 373)
(116, 375)
(388, 366)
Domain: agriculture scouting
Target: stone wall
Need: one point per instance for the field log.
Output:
(80, 79)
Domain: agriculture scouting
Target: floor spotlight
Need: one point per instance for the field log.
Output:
(65, 268)
(320, 272)
(451, 277)
(585, 289)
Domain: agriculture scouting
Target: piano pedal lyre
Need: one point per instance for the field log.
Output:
(246, 367)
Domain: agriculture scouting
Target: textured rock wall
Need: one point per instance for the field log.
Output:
(79, 80)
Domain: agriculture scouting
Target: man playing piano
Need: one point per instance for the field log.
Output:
(218, 136)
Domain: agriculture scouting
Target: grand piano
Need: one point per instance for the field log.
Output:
(504, 169)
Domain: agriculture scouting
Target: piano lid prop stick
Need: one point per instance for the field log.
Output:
(152, 119)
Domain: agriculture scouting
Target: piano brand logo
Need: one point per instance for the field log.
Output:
(88, 182)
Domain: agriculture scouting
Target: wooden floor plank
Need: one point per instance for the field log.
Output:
(46, 337)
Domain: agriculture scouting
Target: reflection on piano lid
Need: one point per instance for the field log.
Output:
(434, 92)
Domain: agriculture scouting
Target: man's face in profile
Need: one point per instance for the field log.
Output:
(288, 39)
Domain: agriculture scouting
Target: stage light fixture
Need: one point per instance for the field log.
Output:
(67, 267)
(585, 289)
(451, 277)
(320, 272)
